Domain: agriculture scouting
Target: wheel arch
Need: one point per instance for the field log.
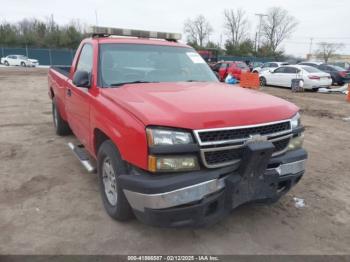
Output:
(98, 138)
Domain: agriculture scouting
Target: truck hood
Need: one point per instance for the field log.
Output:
(198, 105)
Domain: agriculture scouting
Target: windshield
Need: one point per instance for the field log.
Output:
(311, 69)
(242, 65)
(22, 57)
(128, 63)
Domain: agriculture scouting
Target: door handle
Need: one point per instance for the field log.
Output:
(69, 92)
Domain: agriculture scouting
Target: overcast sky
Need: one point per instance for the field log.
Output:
(323, 20)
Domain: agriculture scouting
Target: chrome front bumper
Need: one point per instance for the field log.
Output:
(193, 193)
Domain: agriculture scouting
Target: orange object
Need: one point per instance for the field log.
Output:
(250, 80)
(348, 96)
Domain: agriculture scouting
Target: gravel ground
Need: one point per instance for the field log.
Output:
(50, 205)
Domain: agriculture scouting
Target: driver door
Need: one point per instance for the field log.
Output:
(78, 98)
(277, 77)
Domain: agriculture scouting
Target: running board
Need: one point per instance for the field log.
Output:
(83, 157)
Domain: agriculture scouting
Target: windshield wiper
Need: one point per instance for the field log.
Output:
(132, 82)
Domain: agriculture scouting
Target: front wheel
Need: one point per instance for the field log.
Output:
(262, 81)
(109, 167)
(23, 64)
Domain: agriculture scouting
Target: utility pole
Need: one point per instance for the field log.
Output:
(310, 48)
(96, 17)
(261, 16)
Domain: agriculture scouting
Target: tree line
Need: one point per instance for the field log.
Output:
(41, 34)
(275, 26)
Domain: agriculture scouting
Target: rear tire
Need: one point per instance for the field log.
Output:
(262, 81)
(333, 81)
(61, 126)
(109, 167)
(6, 63)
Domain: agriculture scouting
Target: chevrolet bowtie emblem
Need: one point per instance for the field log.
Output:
(256, 139)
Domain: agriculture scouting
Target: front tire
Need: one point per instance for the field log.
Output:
(109, 167)
(23, 64)
(262, 81)
(61, 126)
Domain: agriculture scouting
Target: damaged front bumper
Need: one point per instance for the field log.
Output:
(203, 197)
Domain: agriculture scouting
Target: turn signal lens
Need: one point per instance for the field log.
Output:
(296, 142)
(172, 163)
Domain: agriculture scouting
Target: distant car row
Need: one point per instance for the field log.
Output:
(314, 75)
(19, 60)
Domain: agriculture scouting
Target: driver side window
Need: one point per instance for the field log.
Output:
(223, 66)
(85, 59)
(280, 70)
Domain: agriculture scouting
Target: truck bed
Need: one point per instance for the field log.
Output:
(64, 70)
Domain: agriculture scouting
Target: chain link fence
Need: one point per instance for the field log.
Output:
(48, 57)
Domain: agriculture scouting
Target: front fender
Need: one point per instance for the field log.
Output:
(124, 129)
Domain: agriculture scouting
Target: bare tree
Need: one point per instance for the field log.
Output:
(277, 26)
(198, 30)
(328, 50)
(236, 25)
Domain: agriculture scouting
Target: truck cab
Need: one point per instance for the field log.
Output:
(170, 144)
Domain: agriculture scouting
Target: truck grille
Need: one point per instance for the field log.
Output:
(241, 133)
(230, 156)
(226, 146)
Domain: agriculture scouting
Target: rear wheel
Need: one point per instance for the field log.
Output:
(61, 126)
(6, 63)
(110, 166)
(333, 81)
(262, 81)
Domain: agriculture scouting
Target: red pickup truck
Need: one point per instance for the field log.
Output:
(171, 144)
(235, 68)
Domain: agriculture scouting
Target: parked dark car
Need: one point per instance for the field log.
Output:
(339, 75)
(345, 65)
(313, 64)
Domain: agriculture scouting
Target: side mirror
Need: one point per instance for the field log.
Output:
(81, 79)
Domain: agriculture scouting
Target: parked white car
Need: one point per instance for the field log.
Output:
(19, 60)
(313, 78)
(268, 66)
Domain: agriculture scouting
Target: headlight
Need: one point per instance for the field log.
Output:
(159, 137)
(172, 163)
(295, 121)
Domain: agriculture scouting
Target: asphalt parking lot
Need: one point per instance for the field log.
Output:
(50, 205)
